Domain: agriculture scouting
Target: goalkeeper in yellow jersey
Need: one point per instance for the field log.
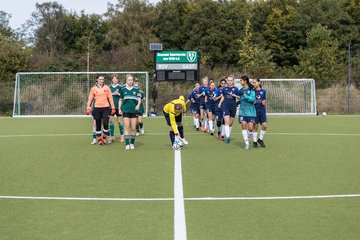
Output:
(173, 116)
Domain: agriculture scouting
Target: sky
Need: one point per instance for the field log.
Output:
(21, 10)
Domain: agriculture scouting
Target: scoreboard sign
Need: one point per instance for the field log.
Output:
(177, 65)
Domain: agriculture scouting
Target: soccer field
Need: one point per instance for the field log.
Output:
(304, 185)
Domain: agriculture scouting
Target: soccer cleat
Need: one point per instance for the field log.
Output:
(94, 141)
(203, 129)
(142, 131)
(132, 146)
(127, 147)
(100, 143)
(109, 140)
(247, 146)
(218, 135)
(112, 138)
(255, 145)
(122, 138)
(197, 129)
(184, 141)
(227, 140)
(222, 138)
(261, 142)
(137, 134)
(105, 141)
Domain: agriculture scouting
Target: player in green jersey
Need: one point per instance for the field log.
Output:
(115, 88)
(129, 105)
(140, 124)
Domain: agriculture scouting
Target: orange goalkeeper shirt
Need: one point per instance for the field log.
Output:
(101, 96)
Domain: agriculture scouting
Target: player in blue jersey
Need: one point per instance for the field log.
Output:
(247, 113)
(228, 104)
(260, 106)
(218, 111)
(210, 95)
(203, 117)
(194, 98)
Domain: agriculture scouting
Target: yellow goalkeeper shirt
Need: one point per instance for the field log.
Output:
(170, 109)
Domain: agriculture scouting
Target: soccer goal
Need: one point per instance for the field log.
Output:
(289, 96)
(63, 94)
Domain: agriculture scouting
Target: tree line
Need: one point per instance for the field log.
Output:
(260, 38)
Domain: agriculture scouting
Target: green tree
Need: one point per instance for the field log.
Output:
(255, 60)
(320, 59)
(281, 34)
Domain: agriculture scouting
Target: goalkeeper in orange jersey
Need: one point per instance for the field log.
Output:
(101, 95)
(173, 116)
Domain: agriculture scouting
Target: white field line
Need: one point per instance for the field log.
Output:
(185, 199)
(179, 205)
(153, 134)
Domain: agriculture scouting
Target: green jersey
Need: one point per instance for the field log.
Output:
(115, 91)
(142, 95)
(129, 99)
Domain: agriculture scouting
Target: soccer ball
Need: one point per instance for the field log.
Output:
(324, 114)
(177, 145)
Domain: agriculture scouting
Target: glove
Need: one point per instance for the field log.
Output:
(88, 111)
(112, 111)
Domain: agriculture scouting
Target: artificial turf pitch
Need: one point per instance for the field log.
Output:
(305, 156)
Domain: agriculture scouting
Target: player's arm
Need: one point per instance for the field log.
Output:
(250, 97)
(111, 100)
(221, 100)
(264, 98)
(120, 104)
(137, 107)
(173, 123)
(90, 98)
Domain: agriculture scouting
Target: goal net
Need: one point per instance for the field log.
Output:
(63, 94)
(289, 96)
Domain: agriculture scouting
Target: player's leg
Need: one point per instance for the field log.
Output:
(121, 127)
(256, 124)
(244, 131)
(263, 130)
(105, 119)
(141, 123)
(171, 132)
(111, 125)
(180, 126)
(126, 121)
(133, 123)
(94, 141)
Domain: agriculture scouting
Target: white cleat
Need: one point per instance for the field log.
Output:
(247, 146)
(132, 146)
(137, 134)
(127, 147)
(184, 141)
(142, 131)
(94, 141)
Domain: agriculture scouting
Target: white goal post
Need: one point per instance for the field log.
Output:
(289, 96)
(63, 94)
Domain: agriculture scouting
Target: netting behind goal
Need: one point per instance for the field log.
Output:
(289, 96)
(63, 94)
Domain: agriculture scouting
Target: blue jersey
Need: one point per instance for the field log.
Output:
(247, 99)
(210, 95)
(194, 97)
(260, 95)
(228, 92)
(218, 92)
(202, 92)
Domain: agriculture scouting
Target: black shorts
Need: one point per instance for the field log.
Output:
(116, 113)
(130, 115)
(140, 114)
(101, 113)
(177, 118)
